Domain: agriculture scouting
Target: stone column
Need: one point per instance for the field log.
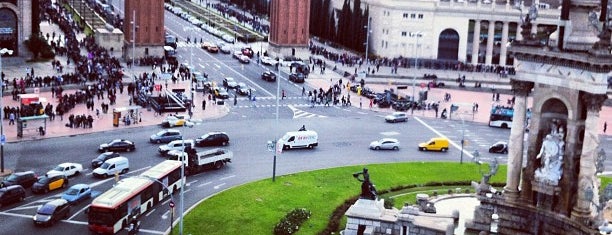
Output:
(518, 36)
(586, 174)
(504, 40)
(475, 42)
(490, 40)
(534, 28)
(515, 144)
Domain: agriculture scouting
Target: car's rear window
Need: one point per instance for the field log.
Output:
(46, 210)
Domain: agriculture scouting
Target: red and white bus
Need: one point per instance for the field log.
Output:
(112, 211)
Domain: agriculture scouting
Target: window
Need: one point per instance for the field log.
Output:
(413, 15)
(404, 34)
(420, 16)
(405, 15)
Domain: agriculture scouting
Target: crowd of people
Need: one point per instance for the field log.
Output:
(255, 23)
(350, 60)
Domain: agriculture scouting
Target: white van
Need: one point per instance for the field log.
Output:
(111, 166)
(299, 139)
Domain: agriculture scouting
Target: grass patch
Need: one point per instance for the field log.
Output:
(256, 207)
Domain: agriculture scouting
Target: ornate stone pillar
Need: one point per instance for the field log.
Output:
(504, 40)
(475, 42)
(586, 174)
(490, 40)
(534, 28)
(515, 144)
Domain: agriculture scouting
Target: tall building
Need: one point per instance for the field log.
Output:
(144, 28)
(289, 28)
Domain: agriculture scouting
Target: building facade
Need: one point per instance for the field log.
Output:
(144, 28)
(445, 30)
(15, 25)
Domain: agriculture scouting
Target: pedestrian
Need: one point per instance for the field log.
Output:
(12, 119)
(235, 100)
(203, 104)
(303, 91)
(371, 103)
(605, 127)
(359, 102)
(283, 95)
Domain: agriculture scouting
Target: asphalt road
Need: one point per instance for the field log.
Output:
(344, 135)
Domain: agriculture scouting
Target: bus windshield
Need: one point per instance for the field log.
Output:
(101, 216)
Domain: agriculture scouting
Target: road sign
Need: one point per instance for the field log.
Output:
(171, 204)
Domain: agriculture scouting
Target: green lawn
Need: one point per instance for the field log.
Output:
(256, 207)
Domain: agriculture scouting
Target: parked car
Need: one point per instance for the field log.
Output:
(174, 120)
(213, 139)
(117, 145)
(165, 136)
(77, 193)
(401, 106)
(25, 179)
(244, 59)
(385, 143)
(96, 162)
(268, 61)
(248, 52)
(297, 77)
(396, 117)
(11, 194)
(230, 82)
(212, 48)
(499, 147)
(68, 169)
(49, 183)
(224, 48)
(51, 212)
(268, 76)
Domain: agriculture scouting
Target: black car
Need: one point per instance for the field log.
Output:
(49, 183)
(499, 147)
(243, 89)
(297, 77)
(268, 76)
(11, 194)
(51, 212)
(401, 106)
(213, 139)
(96, 162)
(25, 179)
(117, 145)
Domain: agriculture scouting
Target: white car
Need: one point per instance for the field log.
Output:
(68, 169)
(396, 117)
(385, 143)
(268, 61)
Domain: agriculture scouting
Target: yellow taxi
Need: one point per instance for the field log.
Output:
(49, 183)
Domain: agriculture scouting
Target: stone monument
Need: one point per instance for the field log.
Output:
(547, 188)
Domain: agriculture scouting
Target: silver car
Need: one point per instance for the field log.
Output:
(396, 117)
(385, 143)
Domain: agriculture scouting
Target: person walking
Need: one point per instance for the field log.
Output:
(605, 127)
(235, 100)
(12, 119)
(203, 104)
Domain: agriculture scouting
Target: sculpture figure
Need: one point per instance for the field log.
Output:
(551, 159)
(367, 188)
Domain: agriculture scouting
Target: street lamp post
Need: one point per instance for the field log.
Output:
(133, 43)
(182, 193)
(416, 59)
(367, 43)
(3, 139)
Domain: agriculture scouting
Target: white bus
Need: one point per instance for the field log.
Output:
(110, 212)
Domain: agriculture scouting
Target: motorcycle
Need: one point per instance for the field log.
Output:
(134, 227)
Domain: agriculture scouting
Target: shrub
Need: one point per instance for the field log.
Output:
(290, 224)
